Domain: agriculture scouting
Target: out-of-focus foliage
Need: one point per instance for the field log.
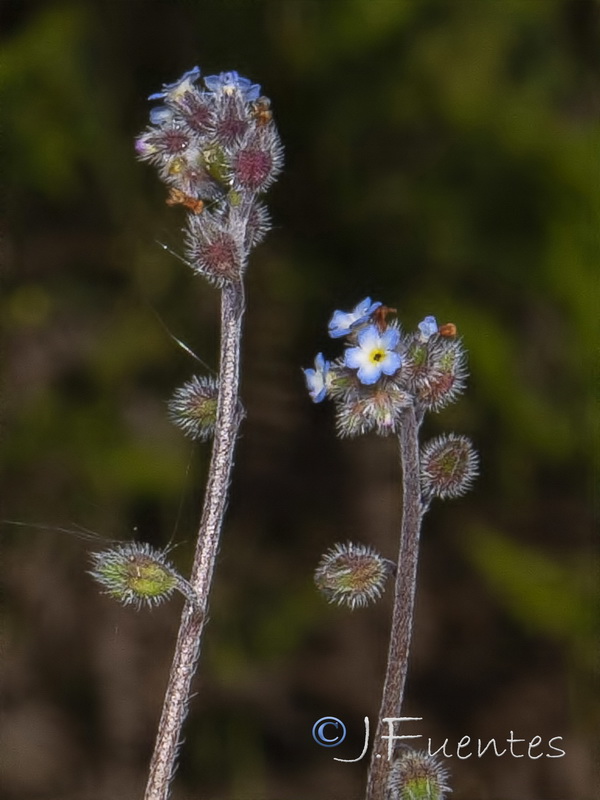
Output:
(440, 157)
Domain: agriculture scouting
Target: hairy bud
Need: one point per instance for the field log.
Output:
(376, 408)
(416, 775)
(352, 574)
(213, 249)
(135, 573)
(193, 407)
(448, 466)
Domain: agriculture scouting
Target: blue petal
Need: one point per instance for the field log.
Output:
(352, 357)
(369, 374)
(391, 363)
(390, 338)
(192, 75)
(160, 114)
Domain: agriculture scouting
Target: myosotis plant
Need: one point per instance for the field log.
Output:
(385, 381)
(216, 148)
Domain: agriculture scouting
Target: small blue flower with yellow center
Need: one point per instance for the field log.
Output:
(316, 379)
(375, 355)
(343, 322)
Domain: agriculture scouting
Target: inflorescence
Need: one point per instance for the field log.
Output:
(381, 373)
(384, 370)
(217, 149)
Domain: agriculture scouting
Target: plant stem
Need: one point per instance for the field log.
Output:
(404, 600)
(187, 649)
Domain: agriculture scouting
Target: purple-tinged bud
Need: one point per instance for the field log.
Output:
(160, 145)
(352, 574)
(193, 407)
(135, 574)
(232, 121)
(197, 111)
(449, 465)
(258, 225)
(258, 161)
(214, 250)
(417, 775)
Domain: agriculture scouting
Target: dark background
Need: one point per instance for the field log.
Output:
(441, 157)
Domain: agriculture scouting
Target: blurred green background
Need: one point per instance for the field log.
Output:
(441, 157)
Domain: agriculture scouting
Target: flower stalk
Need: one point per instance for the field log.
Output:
(404, 600)
(187, 649)
(217, 149)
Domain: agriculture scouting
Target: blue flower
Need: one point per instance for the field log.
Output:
(176, 90)
(159, 115)
(342, 322)
(316, 379)
(375, 354)
(428, 327)
(231, 82)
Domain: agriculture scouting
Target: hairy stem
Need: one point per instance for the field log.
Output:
(404, 601)
(187, 649)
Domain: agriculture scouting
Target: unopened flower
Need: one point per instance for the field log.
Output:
(258, 161)
(343, 322)
(352, 574)
(449, 465)
(135, 573)
(230, 83)
(375, 355)
(193, 407)
(317, 378)
(258, 225)
(427, 327)
(159, 144)
(366, 409)
(443, 379)
(213, 249)
(416, 775)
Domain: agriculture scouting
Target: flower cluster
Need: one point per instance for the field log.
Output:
(217, 149)
(215, 146)
(384, 370)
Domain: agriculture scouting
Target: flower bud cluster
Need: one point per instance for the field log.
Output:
(384, 370)
(217, 149)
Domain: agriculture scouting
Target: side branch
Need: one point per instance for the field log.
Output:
(404, 600)
(187, 650)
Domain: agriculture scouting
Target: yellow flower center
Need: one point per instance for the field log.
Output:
(376, 355)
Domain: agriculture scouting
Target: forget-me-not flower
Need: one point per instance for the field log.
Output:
(375, 354)
(231, 82)
(428, 327)
(316, 379)
(176, 90)
(342, 322)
